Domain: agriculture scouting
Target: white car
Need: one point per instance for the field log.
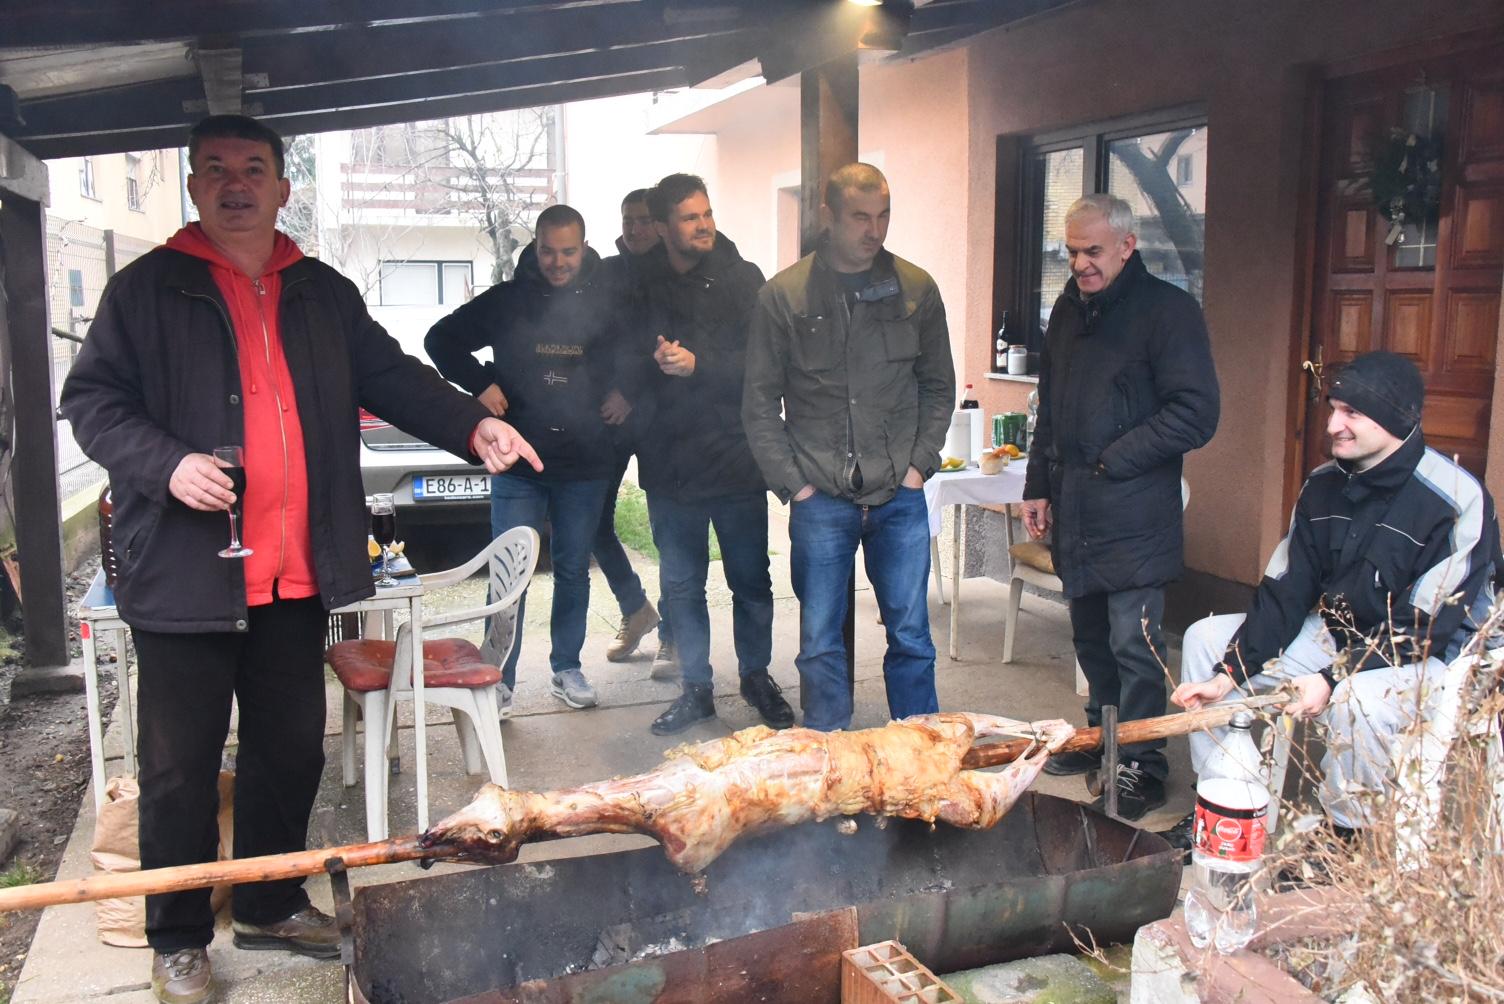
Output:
(427, 484)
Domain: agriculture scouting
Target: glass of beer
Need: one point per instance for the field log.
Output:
(231, 460)
(384, 530)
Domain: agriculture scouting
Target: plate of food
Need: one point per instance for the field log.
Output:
(949, 464)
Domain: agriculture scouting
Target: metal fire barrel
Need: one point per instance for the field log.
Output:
(768, 919)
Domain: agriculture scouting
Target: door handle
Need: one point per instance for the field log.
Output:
(1314, 367)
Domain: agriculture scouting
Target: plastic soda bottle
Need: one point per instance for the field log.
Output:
(1232, 804)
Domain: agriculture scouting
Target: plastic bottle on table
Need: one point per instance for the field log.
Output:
(1231, 805)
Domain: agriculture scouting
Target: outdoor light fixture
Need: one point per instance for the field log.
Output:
(886, 25)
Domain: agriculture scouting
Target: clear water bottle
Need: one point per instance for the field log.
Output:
(1228, 843)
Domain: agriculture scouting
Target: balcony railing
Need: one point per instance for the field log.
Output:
(437, 189)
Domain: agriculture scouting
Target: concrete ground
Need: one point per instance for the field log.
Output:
(547, 746)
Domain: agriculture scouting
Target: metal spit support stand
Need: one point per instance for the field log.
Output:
(344, 910)
(1110, 760)
(1103, 780)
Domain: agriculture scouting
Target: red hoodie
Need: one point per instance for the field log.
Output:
(275, 524)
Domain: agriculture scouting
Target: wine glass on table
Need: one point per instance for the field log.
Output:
(384, 529)
(231, 460)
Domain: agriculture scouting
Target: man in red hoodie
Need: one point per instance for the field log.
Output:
(229, 335)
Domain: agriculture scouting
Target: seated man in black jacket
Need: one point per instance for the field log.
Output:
(1386, 573)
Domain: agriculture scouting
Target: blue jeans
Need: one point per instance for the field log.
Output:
(612, 557)
(824, 532)
(682, 532)
(573, 510)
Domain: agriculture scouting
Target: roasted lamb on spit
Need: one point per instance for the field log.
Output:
(705, 796)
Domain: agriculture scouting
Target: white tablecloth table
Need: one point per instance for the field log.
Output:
(958, 489)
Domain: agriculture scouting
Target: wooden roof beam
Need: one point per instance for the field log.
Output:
(169, 105)
(220, 71)
(106, 139)
(103, 22)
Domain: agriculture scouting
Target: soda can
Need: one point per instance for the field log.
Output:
(999, 427)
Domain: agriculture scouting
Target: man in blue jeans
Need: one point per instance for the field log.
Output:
(639, 235)
(552, 331)
(848, 396)
(697, 471)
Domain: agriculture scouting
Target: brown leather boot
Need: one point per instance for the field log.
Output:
(307, 932)
(182, 977)
(633, 627)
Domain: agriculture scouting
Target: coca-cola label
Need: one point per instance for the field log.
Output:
(1230, 820)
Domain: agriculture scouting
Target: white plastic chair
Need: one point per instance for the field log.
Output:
(376, 674)
(1030, 561)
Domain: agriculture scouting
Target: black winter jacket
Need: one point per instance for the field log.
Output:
(1416, 535)
(553, 353)
(158, 378)
(1126, 388)
(693, 447)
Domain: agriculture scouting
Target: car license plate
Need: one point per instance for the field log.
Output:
(443, 487)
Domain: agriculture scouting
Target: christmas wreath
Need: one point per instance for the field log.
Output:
(1406, 181)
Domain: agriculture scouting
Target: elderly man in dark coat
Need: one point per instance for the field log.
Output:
(1126, 389)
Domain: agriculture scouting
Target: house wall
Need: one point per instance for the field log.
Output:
(1249, 66)
(912, 125)
(608, 152)
(159, 183)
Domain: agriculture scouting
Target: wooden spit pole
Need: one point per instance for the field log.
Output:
(211, 873)
(301, 863)
(1142, 730)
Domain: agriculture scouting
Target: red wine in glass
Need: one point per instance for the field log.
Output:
(384, 530)
(231, 460)
(237, 478)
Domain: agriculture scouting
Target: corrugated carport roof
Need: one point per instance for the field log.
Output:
(100, 76)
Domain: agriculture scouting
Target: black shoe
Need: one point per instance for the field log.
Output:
(696, 704)
(767, 697)
(1066, 764)
(1138, 792)
(1182, 835)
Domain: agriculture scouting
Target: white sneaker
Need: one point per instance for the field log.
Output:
(573, 689)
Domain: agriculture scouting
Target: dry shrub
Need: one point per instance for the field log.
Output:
(1423, 904)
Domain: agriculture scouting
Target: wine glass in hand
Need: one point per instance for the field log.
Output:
(384, 529)
(231, 460)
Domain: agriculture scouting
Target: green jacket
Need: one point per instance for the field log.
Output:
(847, 399)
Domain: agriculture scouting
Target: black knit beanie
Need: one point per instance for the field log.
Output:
(1384, 386)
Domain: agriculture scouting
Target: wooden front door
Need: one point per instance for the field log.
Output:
(1433, 296)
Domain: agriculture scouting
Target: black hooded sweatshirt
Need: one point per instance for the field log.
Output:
(553, 350)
